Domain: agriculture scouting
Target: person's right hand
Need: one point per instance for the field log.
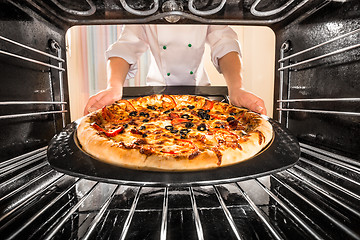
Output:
(103, 98)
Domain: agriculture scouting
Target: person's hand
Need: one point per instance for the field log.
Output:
(242, 98)
(103, 98)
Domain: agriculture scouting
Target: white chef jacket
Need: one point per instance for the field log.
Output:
(177, 51)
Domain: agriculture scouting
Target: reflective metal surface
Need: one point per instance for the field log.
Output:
(322, 64)
(318, 198)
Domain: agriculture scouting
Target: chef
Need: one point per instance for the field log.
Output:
(176, 59)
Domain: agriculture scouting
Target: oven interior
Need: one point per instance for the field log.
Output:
(317, 98)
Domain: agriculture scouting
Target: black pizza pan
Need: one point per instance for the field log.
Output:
(66, 155)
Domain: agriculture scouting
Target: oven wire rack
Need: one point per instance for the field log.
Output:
(317, 199)
(62, 103)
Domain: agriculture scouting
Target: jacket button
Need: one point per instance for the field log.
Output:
(191, 72)
(168, 74)
(164, 47)
(189, 45)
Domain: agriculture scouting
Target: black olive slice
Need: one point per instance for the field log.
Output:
(229, 119)
(184, 131)
(169, 127)
(133, 113)
(144, 114)
(201, 127)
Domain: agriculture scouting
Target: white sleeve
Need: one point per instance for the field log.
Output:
(131, 44)
(222, 40)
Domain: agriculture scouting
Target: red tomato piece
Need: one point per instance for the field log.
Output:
(170, 103)
(177, 121)
(208, 105)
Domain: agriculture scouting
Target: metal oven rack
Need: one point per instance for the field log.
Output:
(317, 199)
(287, 66)
(58, 67)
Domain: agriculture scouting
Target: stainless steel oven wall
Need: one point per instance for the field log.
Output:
(33, 92)
(320, 72)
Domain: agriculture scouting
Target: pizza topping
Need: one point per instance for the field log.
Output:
(184, 131)
(173, 115)
(186, 116)
(110, 133)
(233, 123)
(136, 131)
(219, 117)
(151, 107)
(194, 154)
(168, 152)
(146, 151)
(180, 129)
(202, 127)
(104, 113)
(140, 141)
(187, 144)
(144, 114)
(128, 105)
(219, 124)
(203, 114)
(168, 102)
(169, 127)
(109, 116)
(133, 113)
(208, 105)
(115, 132)
(158, 132)
(97, 127)
(227, 133)
(177, 121)
(174, 131)
(229, 119)
(168, 111)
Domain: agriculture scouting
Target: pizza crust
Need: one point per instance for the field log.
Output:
(108, 151)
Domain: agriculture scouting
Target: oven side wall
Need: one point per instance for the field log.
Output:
(336, 126)
(28, 87)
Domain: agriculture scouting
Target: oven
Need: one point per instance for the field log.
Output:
(317, 96)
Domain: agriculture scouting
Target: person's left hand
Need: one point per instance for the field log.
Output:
(242, 98)
(103, 98)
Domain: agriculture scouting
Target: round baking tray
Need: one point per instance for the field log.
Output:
(66, 155)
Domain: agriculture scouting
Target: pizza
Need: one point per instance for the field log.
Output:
(173, 133)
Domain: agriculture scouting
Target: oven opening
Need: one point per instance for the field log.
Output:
(86, 62)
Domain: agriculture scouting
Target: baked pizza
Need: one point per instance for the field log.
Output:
(173, 133)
